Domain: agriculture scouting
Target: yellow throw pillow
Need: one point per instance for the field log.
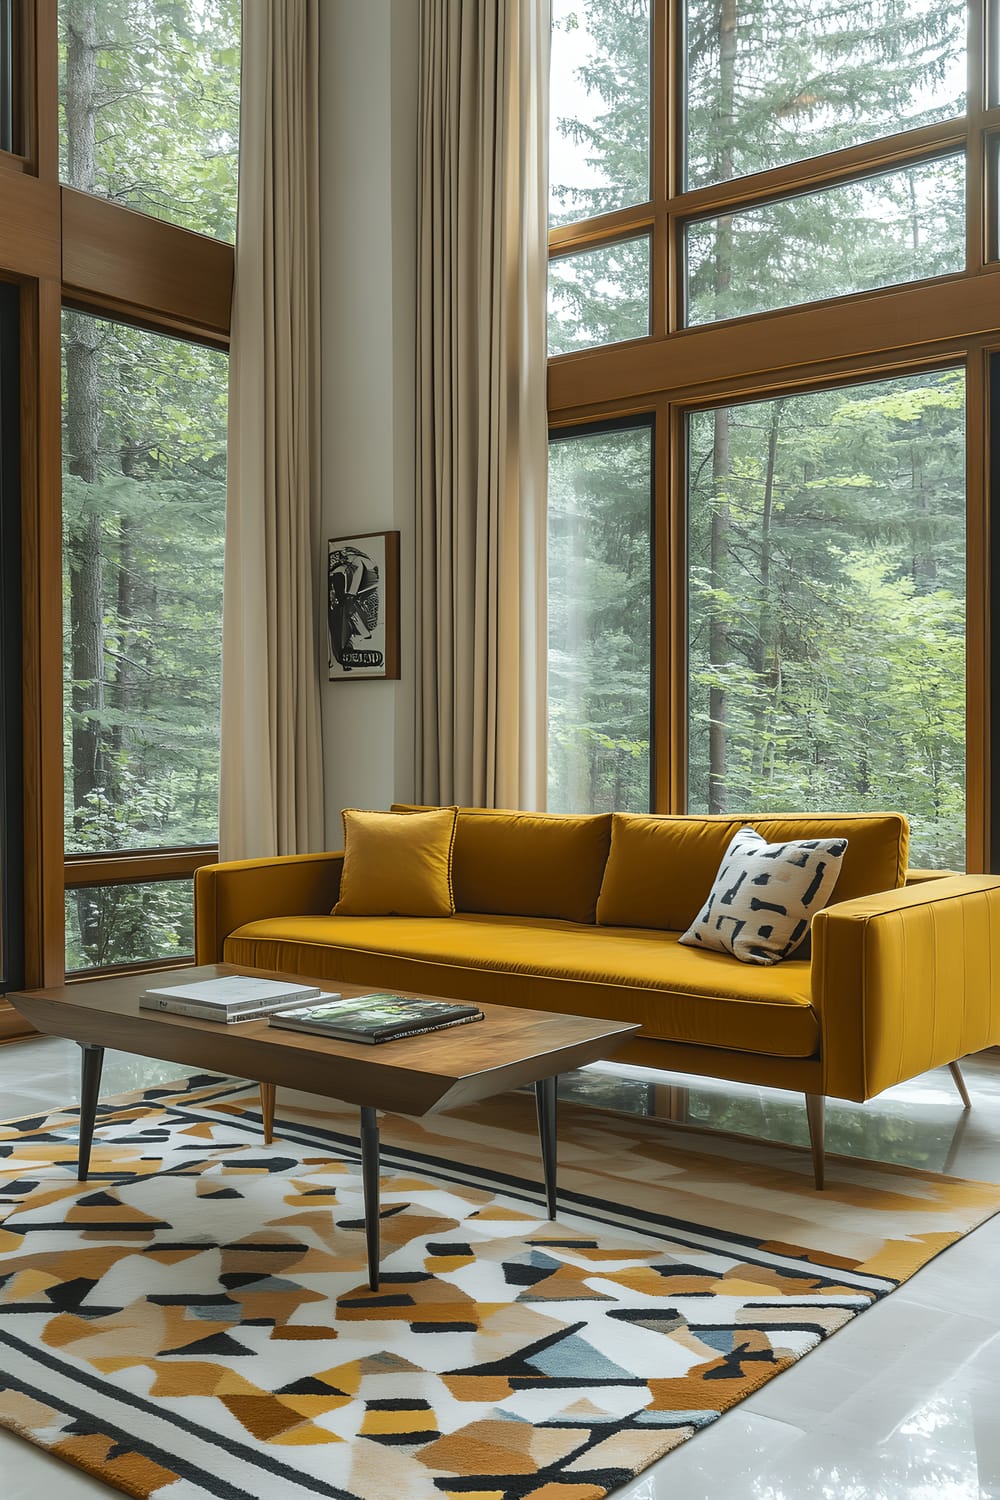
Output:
(397, 864)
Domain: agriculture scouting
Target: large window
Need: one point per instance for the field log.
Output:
(144, 469)
(149, 120)
(808, 331)
(119, 130)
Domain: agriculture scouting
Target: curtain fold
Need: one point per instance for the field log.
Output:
(481, 409)
(271, 789)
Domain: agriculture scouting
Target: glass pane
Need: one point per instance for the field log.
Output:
(144, 490)
(826, 605)
(149, 99)
(120, 924)
(600, 487)
(599, 296)
(879, 231)
(598, 107)
(7, 65)
(774, 81)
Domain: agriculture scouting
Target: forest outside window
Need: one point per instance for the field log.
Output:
(826, 606)
(819, 172)
(149, 107)
(144, 455)
(8, 73)
(599, 296)
(119, 129)
(129, 923)
(775, 81)
(599, 156)
(873, 232)
(600, 616)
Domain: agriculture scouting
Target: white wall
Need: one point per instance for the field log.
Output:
(368, 145)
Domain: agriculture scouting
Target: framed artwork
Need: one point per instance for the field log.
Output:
(363, 606)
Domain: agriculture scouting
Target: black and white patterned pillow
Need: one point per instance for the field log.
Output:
(765, 895)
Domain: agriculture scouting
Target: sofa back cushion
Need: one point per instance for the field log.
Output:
(661, 868)
(528, 864)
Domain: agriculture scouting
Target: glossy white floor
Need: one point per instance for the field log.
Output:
(902, 1404)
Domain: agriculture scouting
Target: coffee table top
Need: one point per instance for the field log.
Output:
(415, 1075)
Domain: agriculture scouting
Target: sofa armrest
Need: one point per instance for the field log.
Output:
(245, 890)
(904, 980)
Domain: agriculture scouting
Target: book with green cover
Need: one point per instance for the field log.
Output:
(378, 1017)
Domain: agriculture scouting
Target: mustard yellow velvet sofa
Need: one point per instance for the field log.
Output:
(582, 914)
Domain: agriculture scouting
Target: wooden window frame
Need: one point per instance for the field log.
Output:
(904, 329)
(66, 248)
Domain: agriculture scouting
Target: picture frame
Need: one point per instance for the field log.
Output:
(362, 606)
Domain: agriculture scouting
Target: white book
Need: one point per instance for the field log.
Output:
(167, 1004)
(234, 992)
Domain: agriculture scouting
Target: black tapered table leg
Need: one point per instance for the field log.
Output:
(369, 1177)
(91, 1063)
(545, 1104)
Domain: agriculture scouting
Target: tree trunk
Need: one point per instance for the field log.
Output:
(718, 635)
(765, 644)
(81, 94)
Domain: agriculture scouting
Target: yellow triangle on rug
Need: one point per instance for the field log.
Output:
(195, 1321)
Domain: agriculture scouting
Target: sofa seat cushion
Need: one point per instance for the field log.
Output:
(676, 994)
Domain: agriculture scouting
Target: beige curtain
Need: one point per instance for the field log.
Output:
(271, 799)
(481, 415)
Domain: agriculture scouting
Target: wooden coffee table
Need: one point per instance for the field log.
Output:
(417, 1075)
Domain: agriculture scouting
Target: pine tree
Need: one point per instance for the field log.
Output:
(824, 529)
(149, 97)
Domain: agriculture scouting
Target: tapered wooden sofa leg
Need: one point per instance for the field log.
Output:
(816, 1115)
(956, 1073)
(267, 1093)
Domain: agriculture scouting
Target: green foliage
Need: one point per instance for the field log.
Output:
(127, 922)
(902, 226)
(826, 548)
(157, 573)
(117, 923)
(599, 621)
(808, 78)
(844, 677)
(607, 165)
(149, 98)
(165, 105)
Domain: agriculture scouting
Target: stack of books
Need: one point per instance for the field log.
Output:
(378, 1017)
(236, 997)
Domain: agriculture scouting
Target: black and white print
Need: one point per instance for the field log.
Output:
(361, 586)
(765, 895)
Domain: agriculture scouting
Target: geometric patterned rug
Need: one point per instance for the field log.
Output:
(195, 1320)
